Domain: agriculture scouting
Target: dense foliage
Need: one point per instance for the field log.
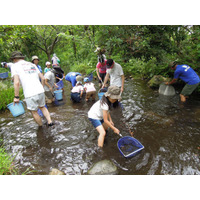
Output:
(142, 50)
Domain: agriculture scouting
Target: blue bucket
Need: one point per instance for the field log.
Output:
(40, 112)
(60, 85)
(129, 146)
(100, 94)
(58, 94)
(16, 109)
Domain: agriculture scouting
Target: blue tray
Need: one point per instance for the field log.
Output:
(129, 146)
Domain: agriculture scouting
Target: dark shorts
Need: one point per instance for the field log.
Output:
(75, 97)
(188, 89)
(96, 122)
(102, 75)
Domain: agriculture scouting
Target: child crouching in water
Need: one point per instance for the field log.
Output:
(77, 92)
(99, 113)
(90, 89)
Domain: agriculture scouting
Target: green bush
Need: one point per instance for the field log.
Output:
(2, 70)
(7, 95)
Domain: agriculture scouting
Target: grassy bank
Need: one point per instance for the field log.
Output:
(7, 93)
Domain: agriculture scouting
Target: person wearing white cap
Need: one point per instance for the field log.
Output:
(48, 67)
(99, 113)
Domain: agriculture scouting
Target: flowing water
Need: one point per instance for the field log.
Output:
(168, 130)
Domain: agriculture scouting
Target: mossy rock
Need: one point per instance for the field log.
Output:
(103, 167)
(156, 81)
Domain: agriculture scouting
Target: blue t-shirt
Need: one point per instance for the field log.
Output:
(46, 69)
(187, 74)
(71, 77)
(40, 68)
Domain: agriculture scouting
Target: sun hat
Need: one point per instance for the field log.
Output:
(47, 63)
(16, 54)
(34, 58)
(113, 92)
(109, 63)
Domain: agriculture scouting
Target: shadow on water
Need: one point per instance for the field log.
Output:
(168, 130)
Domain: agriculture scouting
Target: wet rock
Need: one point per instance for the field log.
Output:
(156, 81)
(55, 171)
(103, 167)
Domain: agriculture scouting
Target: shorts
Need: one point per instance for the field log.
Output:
(96, 122)
(75, 97)
(49, 94)
(91, 94)
(188, 89)
(35, 101)
(102, 75)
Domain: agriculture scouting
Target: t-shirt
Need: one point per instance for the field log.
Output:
(77, 89)
(187, 74)
(51, 80)
(89, 87)
(96, 111)
(71, 77)
(29, 78)
(115, 75)
(101, 67)
(46, 69)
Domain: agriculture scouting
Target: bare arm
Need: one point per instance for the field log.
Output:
(47, 84)
(42, 78)
(105, 80)
(97, 70)
(110, 124)
(171, 82)
(16, 88)
(122, 88)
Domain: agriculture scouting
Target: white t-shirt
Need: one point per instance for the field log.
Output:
(77, 89)
(89, 87)
(51, 80)
(115, 75)
(29, 78)
(96, 111)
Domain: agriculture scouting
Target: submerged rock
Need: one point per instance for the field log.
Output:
(103, 167)
(56, 172)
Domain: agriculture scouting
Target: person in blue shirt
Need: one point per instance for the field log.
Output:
(73, 77)
(35, 60)
(186, 74)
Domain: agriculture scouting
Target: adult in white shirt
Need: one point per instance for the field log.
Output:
(28, 74)
(50, 85)
(115, 71)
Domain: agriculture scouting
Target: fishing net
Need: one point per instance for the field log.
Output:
(129, 146)
(166, 90)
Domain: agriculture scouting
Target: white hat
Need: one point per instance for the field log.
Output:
(35, 58)
(47, 63)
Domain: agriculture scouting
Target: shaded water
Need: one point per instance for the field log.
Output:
(168, 130)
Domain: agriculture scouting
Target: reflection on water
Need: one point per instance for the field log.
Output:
(168, 130)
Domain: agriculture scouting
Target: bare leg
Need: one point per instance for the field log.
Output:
(46, 114)
(37, 117)
(102, 134)
(183, 99)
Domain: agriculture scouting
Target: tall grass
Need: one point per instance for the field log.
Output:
(7, 94)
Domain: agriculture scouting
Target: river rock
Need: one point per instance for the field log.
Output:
(55, 171)
(103, 167)
(156, 81)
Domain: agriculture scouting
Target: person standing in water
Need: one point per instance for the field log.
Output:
(99, 113)
(188, 75)
(28, 74)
